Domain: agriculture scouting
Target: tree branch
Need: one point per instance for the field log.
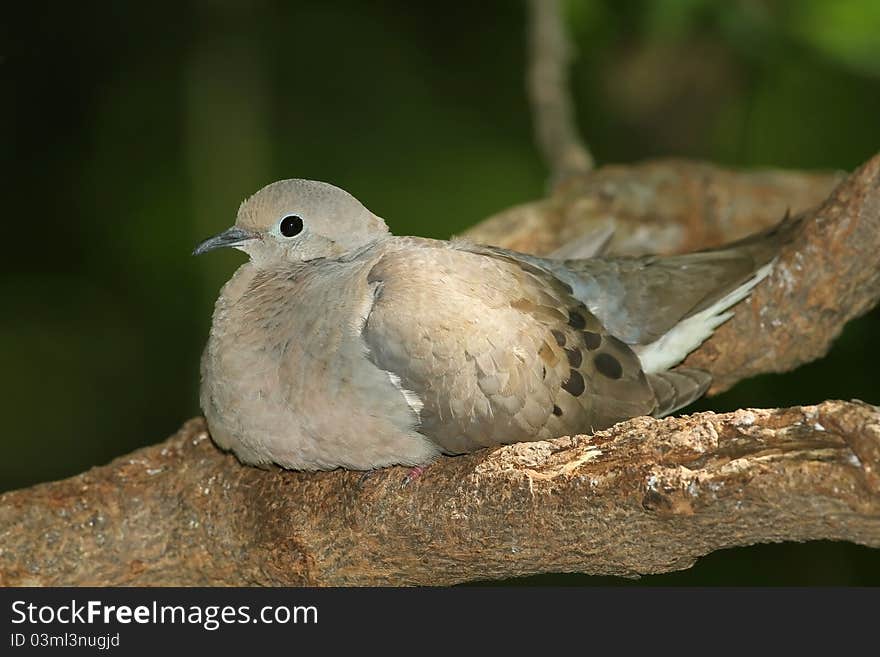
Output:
(646, 496)
(555, 127)
(659, 206)
(829, 275)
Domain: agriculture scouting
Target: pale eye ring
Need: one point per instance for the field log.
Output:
(291, 225)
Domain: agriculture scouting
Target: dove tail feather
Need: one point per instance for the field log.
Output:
(673, 346)
(678, 388)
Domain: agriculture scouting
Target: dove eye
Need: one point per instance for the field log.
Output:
(291, 225)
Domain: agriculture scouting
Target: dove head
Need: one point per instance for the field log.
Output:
(297, 220)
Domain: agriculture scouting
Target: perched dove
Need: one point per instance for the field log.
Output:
(339, 344)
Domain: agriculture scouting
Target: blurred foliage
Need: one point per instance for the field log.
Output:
(130, 131)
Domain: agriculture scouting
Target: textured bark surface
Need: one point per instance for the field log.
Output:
(647, 496)
(827, 276)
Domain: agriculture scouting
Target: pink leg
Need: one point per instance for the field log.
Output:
(413, 474)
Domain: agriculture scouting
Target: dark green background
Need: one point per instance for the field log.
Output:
(130, 131)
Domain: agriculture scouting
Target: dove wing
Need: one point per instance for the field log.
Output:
(641, 299)
(496, 350)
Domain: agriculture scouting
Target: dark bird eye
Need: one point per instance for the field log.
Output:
(291, 225)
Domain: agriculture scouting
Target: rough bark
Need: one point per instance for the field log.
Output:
(647, 496)
(827, 276)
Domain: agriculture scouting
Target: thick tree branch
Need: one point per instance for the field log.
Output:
(555, 127)
(827, 276)
(647, 496)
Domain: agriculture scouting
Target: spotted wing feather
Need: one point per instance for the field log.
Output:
(497, 350)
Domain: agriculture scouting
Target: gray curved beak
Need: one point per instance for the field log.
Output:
(234, 236)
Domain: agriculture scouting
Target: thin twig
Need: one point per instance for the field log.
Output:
(550, 52)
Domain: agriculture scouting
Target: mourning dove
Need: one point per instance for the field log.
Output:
(341, 345)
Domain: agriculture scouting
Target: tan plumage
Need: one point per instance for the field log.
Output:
(342, 345)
